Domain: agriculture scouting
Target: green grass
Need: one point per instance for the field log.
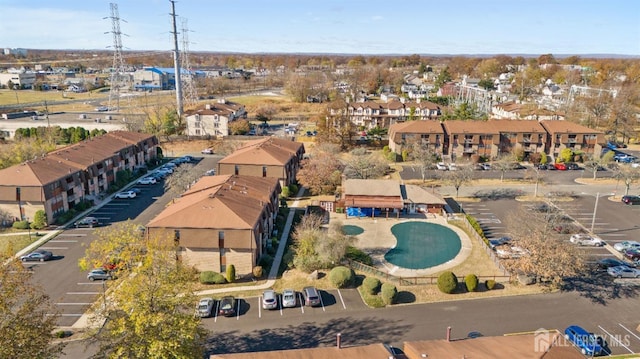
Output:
(12, 244)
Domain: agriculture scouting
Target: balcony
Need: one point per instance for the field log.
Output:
(468, 150)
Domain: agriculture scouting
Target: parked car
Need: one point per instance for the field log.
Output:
(101, 108)
(587, 343)
(207, 151)
(623, 246)
(227, 306)
(205, 307)
(561, 166)
(493, 243)
(572, 166)
(483, 166)
(147, 181)
(453, 167)
(584, 239)
(613, 262)
(631, 200)
(289, 298)
(89, 222)
(516, 166)
(166, 169)
(137, 191)
(623, 272)
(311, 296)
(39, 255)
(632, 254)
(442, 166)
(125, 195)
(211, 172)
(99, 274)
(269, 299)
(512, 253)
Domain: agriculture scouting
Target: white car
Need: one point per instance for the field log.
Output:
(207, 151)
(125, 195)
(102, 108)
(623, 246)
(442, 166)
(586, 240)
(453, 167)
(147, 181)
(289, 298)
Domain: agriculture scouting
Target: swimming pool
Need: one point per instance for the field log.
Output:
(422, 245)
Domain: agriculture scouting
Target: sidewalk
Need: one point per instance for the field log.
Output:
(273, 273)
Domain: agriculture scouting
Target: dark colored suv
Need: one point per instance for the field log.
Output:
(631, 199)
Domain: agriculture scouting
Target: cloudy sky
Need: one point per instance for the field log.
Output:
(333, 26)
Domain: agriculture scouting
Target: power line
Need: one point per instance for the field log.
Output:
(176, 59)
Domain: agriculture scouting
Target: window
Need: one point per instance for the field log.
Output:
(237, 169)
(264, 171)
(198, 132)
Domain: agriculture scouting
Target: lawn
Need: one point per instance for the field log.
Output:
(12, 244)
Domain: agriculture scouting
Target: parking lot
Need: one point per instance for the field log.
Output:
(67, 286)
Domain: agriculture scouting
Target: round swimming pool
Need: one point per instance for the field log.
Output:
(352, 230)
(422, 245)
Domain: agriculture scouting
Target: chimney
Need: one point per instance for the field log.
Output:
(339, 341)
(207, 106)
(448, 334)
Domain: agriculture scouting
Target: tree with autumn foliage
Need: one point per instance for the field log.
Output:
(148, 313)
(321, 173)
(27, 315)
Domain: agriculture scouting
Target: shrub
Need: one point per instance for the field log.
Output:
(39, 220)
(293, 189)
(231, 273)
(257, 271)
(476, 226)
(357, 255)
(405, 155)
(342, 276)
(265, 261)
(490, 284)
(471, 281)
(371, 285)
(447, 282)
(61, 334)
(20, 225)
(210, 277)
(388, 293)
(285, 192)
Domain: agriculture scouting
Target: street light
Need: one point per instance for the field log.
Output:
(595, 208)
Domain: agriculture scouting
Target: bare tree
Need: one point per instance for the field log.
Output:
(537, 176)
(334, 246)
(546, 254)
(425, 157)
(503, 164)
(459, 177)
(629, 175)
(182, 179)
(363, 165)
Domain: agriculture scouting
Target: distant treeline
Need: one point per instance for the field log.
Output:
(61, 136)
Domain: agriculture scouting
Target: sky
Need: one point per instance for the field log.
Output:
(366, 27)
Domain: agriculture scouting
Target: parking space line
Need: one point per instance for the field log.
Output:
(342, 300)
(301, 302)
(259, 307)
(630, 332)
(90, 283)
(53, 248)
(215, 317)
(321, 302)
(74, 303)
(66, 315)
(279, 303)
(238, 311)
(83, 293)
(614, 338)
(63, 241)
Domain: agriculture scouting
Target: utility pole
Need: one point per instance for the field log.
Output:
(176, 59)
(117, 71)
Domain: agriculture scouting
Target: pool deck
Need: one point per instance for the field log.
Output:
(377, 240)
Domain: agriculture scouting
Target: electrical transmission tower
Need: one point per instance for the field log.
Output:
(189, 78)
(176, 59)
(119, 79)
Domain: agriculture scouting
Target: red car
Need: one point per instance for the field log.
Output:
(632, 254)
(561, 166)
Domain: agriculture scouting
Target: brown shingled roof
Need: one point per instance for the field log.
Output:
(228, 201)
(560, 126)
(471, 127)
(426, 126)
(372, 351)
(516, 126)
(267, 151)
